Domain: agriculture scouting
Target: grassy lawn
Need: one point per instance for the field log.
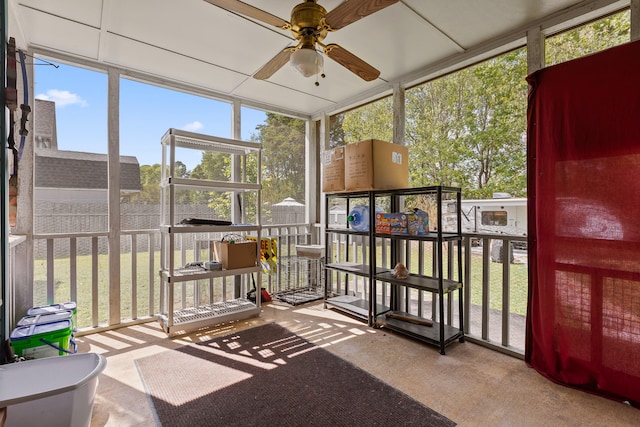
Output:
(518, 281)
(147, 280)
(85, 292)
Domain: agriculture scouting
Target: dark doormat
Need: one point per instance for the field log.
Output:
(269, 376)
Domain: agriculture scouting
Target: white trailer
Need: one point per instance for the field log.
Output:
(500, 215)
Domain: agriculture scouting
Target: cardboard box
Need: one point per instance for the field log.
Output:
(375, 165)
(383, 223)
(418, 223)
(235, 255)
(333, 170)
(398, 223)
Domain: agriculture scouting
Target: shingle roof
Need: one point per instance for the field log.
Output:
(73, 169)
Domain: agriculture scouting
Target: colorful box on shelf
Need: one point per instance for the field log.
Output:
(398, 223)
(383, 223)
(418, 222)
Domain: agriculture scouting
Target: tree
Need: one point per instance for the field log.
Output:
(150, 184)
(283, 158)
(597, 36)
(496, 140)
(336, 131)
(150, 181)
(371, 121)
(434, 127)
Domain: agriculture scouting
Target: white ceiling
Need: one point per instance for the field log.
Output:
(196, 44)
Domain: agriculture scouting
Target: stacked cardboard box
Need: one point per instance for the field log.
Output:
(366, 165)
(333, 170)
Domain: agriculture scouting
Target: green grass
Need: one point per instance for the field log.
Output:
(518, 280)
(85, 294)
(85, 297)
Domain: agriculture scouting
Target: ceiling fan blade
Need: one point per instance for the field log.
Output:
(353, 10)
(351, 62)
(250, 11)
(274, 64)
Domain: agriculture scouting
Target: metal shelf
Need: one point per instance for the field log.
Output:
(440, 333)
(184, 139)
(210, 185)
(350, 267)
(203, 228)
(204, 301)
(430, 237)
(424, 283)
(354, 306)
(193, 318)
(190, 274)
(428, 334)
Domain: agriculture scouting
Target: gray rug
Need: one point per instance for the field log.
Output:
(269, 376)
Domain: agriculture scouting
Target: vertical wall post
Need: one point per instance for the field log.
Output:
(398, 114)
(635, 20)
(535, 50)
(113, 159)
(4, 186)
(312, 175)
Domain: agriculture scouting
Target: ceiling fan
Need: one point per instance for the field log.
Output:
(310, 24)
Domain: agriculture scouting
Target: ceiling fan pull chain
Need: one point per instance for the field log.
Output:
(319, 65)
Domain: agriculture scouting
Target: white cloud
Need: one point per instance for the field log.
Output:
(62, 98)
(193, 126)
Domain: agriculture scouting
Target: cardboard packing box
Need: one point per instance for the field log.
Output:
(375, 165)
(234, 255)
(333, 170)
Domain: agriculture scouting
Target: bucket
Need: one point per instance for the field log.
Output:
(43, 340)
(54, 308)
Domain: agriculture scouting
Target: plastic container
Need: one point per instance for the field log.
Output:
(358, 218)
(46, 318)
(55, 308)
(52, 392)
(43, 340)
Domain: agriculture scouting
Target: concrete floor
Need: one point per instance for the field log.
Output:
(471, 385)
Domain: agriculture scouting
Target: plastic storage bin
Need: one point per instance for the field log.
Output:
(43, 340)
(55, 308)
(46, 318)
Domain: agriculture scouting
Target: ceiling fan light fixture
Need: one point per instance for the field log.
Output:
(308, 62)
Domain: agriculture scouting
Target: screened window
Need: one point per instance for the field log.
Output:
(495, 218)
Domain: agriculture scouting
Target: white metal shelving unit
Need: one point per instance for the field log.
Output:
(193, 298)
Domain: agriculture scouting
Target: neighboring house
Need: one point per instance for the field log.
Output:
(71, 188)
(45, 131)
(73, 176)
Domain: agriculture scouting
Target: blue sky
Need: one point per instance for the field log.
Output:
(146, 112)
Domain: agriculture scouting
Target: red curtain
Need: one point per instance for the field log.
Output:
(583, 320)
